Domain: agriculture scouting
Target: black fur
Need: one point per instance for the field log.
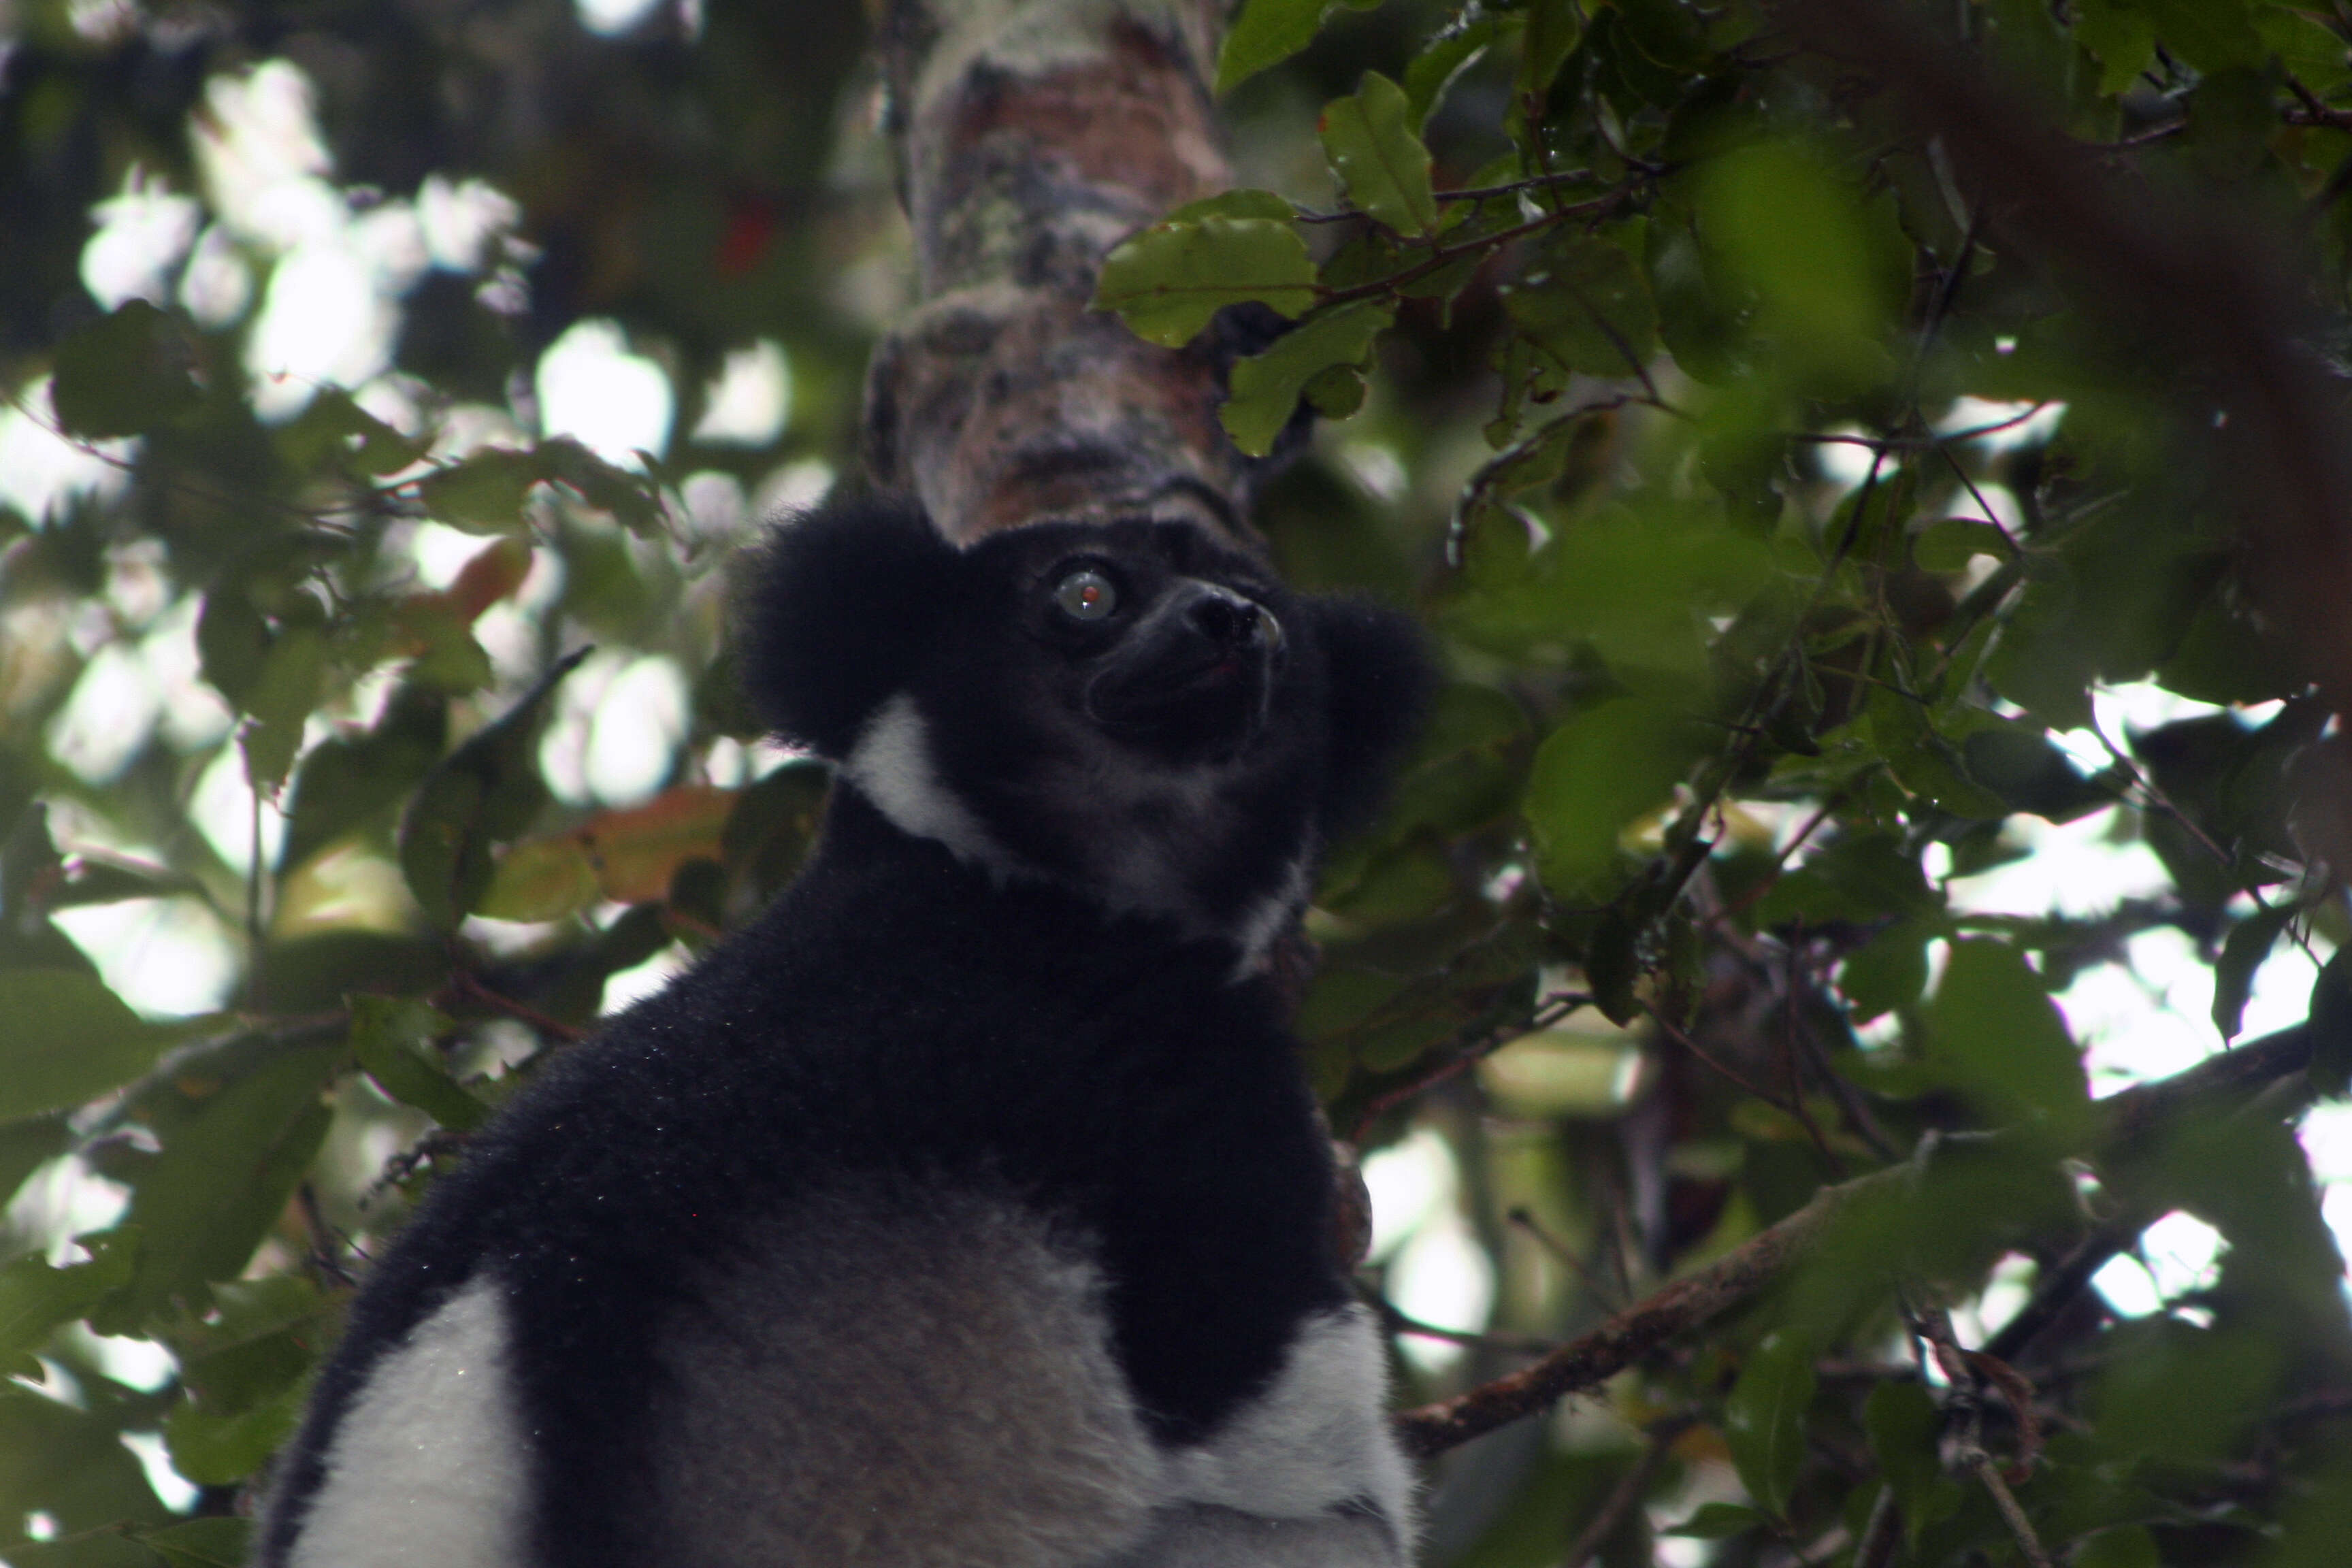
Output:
(908, 1021)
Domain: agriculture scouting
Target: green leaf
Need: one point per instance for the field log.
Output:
(334, 431)
(1587, 306)
(1266, 386)
(232, 641)
(280, 698)
(1439, 65)
(2330, 1023)
(2210, 34)
(2118, 34)
(2125, 1546)
(1267, 33)
(345, 780)
(1825, 274)
(123, 375)
(222, 1447)
(1243, 202)
(1764, 1419)
(487, 791)
(1948, 545)
(26, 1145)
(1996, 1032)
(1378, 159)
(1168, 280)
(36, 1299)
(222, 1542)
(484, 493)
(2249, 943)
(541, 879)
(1903, 1425)
(393, 1038)
(632, 498)
(232, 1156)
(1888, 972)
(68, 1039)
(1719, 1522)
(1594, 774)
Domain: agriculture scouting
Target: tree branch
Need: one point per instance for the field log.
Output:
(1690, 1302)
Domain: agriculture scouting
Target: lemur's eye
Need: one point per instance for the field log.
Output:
(1086, 595)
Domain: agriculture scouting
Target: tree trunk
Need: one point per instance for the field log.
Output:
(1031, 135)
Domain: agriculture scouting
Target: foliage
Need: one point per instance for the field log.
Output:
(1782, 524)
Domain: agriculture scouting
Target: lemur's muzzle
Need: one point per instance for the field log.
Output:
(1195, 675)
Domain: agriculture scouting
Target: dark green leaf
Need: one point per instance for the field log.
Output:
(1902, 1424)
(345, 780)
(1764, 1419)
(281, 699)
(483, 494)
(631, 497)
(232, 640)
(1594, 774)
(1950, 544)
(222, 1542)
(123, 375)
(1437, 67)
(1243, 202)
(1719, 1522)
(1378, 159)
(485, 792)
(26, 1145)
(222, 1448)
(2120, 34)
(393, 1038)
(2211, 34)
(233, 1156)
(2249, 943)
(2125, 1546)
(1587, 306)
(2330, 1023)
(68, 1039)
(1266, 386)
(1170, 279)
(1996, 1033)
(1267, 33)
(37, 1299)
(1887, 973)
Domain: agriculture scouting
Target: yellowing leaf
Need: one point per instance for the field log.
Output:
(635, 852)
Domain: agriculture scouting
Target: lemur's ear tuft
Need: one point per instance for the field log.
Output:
(836, 613)
(1381, 678)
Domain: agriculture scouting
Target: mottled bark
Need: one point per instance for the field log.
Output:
(1031, 136)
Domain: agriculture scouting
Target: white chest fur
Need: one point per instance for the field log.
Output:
(428, 1468)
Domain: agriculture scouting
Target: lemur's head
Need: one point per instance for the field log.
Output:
(1131, 710)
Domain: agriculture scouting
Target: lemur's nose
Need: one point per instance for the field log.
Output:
(1230, 622)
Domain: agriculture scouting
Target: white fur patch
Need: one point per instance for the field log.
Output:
(427, 1469)
(891, 766)
(1318, 1436)
(1258, 929)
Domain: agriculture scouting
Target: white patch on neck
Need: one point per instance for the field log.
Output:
(1260, 927)
(429, 1467)
(891, 766)
(1317, 1438)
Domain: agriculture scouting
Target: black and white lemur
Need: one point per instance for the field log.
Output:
(969, 1209)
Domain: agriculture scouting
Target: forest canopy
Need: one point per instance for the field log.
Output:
(1842, 1018)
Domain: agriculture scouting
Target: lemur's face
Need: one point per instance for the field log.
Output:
(1154, 640)
(1132, 708)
